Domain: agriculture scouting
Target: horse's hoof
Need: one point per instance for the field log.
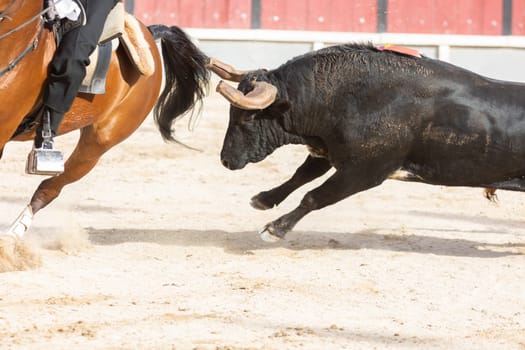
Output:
(17, 255)
(7, 245)
(267, 236)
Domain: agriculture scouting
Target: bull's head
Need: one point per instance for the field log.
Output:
(255, 127)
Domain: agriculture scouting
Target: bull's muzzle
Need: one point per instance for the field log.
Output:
(226, 164)
(233, 163)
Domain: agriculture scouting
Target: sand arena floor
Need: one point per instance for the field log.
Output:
(157, 248)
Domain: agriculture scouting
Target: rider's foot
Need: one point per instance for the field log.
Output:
(48, 144)
(45, 143)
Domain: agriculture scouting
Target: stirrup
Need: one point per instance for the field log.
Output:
(45, 161)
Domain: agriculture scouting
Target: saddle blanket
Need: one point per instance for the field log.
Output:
(120, 28)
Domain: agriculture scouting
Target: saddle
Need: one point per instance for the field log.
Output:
(121, 28)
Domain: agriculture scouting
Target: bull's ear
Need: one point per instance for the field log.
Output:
(280, 106)
(277, 111)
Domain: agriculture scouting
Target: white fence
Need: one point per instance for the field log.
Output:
(497, 56)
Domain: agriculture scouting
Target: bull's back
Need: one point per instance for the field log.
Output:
(475, 132)
(452, 126)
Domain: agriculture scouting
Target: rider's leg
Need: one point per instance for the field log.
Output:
(68, 68)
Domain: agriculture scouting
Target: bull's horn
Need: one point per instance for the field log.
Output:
(225, 71)
(262, 95)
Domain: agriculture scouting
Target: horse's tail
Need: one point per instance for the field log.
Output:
(186, 77)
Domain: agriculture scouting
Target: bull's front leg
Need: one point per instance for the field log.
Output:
(311, 169)
(339, 186)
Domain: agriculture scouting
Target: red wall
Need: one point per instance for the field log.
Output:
(322, 15)
(195, 13)
(518, 17)
(403, 16)
(445, 16)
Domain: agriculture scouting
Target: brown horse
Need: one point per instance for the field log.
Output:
(27, 47)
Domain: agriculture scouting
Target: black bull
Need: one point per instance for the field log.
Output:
(369, 113)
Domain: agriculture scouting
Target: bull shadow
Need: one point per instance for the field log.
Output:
(474, 219)
(245, 242)
(376, 339)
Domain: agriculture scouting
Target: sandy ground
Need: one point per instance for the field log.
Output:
(157, 248)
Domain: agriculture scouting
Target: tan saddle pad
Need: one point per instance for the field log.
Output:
(123, 26)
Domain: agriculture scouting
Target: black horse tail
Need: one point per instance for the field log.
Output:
(186, 77)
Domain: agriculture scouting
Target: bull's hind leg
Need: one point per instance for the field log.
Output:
(311, 169)
(339, 186)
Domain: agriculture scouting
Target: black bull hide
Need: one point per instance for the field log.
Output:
(369, 113)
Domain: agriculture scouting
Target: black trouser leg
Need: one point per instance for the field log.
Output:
(68, 68)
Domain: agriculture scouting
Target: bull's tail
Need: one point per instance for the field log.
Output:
(186, 77)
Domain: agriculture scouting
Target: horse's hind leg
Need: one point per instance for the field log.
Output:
(84, 157)
(93, 143)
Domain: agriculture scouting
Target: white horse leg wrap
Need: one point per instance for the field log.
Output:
(22, 223)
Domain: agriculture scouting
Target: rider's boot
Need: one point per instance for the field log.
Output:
(43, 159)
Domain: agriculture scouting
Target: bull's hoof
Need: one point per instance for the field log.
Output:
(257, 203)
(267, 236)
